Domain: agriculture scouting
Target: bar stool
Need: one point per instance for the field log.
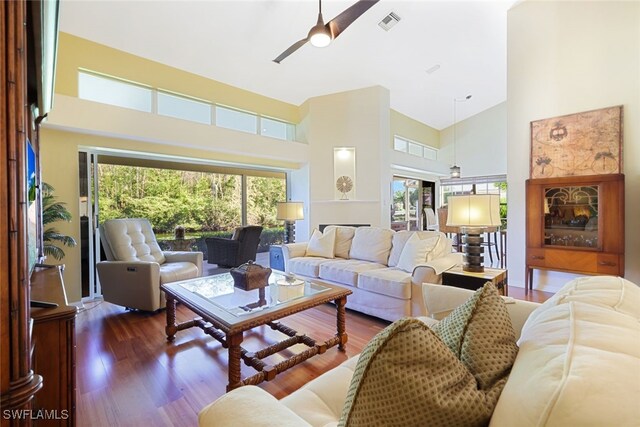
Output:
(503, 248)
(492, 244)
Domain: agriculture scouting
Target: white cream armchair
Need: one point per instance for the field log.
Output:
(136, 267)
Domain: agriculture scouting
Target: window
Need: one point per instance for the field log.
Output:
(493, 184)
(114, 92)
(430, 153)
(414, 148)
(400, 144)
(184, 108)
(277, 129)
(236, 120)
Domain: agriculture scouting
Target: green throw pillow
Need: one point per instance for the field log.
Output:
(480, 334)
(408, 376)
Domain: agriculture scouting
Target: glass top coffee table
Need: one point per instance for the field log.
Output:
(226, 312)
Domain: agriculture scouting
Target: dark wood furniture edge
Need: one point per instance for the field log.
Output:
(54, 347)
(611, 246)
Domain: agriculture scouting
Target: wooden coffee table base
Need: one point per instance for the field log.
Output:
(233, 341)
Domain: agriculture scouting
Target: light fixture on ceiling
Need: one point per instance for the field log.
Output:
(321, 34)
(455, 169)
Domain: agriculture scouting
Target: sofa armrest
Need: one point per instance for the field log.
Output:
(293, 250)
(429, 272)
(440, 300)
(248, 406)
(185, 256)
(133, 284)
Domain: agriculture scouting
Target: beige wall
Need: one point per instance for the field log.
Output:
(567, 57)
(75, 52)
(414, 130)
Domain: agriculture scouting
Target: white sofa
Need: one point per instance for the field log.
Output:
(366, 261)
(578, 365)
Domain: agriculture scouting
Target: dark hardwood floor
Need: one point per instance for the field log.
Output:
(129, 375)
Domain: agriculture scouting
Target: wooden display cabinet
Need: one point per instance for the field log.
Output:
(575, 224)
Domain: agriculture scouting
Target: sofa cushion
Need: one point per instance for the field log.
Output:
(346, 271)
(371, 244)
(400, 239)
(407, 376)
(321, 244)
(415, 252)
(239, 408)
(175, 271)
(392, 282)
(344, 237)
(306, 266)
(480, 334)
(320, 401)
(579, 359)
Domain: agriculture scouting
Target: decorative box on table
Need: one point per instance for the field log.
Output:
(250, 276)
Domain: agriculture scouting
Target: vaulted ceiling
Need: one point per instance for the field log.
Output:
(438, 51)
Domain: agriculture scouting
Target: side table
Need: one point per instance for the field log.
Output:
(456, 276)
(276, 258)
(180, 244)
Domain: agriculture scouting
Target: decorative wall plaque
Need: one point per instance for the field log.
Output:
(588, 143)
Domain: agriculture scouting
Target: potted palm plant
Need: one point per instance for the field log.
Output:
(54, 211)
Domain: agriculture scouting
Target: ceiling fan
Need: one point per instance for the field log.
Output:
(321, 35)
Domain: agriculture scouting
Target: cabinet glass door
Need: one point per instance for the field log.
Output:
(571, 216)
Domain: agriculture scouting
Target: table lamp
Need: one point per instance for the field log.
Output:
(290, 212)
(473, 213)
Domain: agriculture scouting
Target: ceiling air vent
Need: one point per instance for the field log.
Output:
(389, 21)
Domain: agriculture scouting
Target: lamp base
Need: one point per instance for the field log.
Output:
(473, 251)
(289, 232)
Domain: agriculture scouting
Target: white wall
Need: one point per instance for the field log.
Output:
(298, 187)
(359, 119)
(563, 58)
(481, 142)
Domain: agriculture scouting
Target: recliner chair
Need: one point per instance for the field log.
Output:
(136, 267)
(233, 252)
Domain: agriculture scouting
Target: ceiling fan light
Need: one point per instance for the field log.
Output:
(319, 36)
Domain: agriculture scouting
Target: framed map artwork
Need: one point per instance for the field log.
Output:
(588, 143)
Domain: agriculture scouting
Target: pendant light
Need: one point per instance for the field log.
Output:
(455, 169)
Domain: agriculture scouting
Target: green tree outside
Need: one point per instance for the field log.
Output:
(199, 201)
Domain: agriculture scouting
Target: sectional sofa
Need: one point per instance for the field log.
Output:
(386, 280)
(578, 364)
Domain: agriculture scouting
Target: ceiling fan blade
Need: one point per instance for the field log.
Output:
(338, 24)
(297, 45)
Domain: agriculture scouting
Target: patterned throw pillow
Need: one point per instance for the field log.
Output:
(408, 376)
(480, 334)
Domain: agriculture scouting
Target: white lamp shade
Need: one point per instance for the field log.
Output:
(474, 210)
(290, 211)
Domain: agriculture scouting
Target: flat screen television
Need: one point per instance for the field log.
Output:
(33, 216)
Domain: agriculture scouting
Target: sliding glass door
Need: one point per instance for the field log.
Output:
(405, 209)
